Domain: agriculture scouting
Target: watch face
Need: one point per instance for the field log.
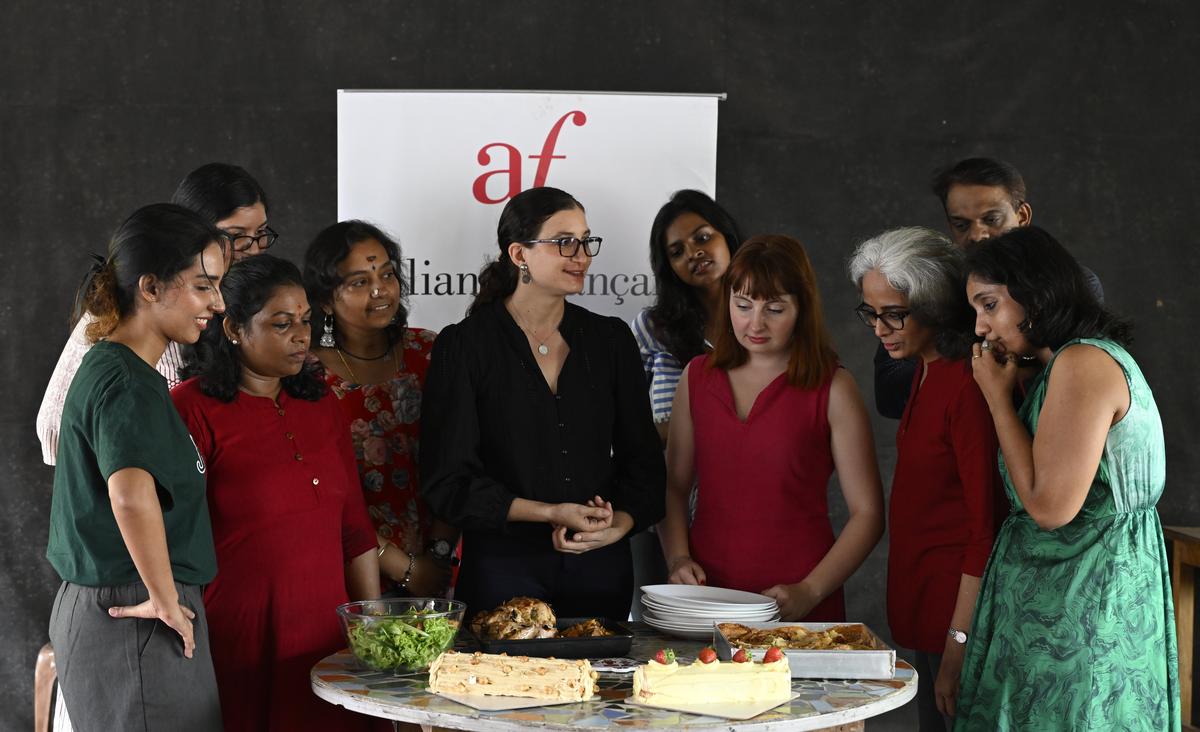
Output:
(439, 548)
(958, 636)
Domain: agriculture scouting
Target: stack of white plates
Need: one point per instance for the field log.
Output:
(689, 611)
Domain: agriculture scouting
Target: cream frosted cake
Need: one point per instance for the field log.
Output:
(491, 674)
(663, 681)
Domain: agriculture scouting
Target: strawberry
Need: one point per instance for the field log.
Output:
(665, 656)
(741, 656)
(706, 655)
(772, 655)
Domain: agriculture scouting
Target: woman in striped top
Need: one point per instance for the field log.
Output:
(224, 195)
(691, 242)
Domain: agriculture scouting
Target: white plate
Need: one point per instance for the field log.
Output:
(662, 611)
(504, 703)
(688, 623)
(679, 632)
(728, 710)
(703, 597)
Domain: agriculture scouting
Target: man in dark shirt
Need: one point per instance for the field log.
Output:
(982, 198)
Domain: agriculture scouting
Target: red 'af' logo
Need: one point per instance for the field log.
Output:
(513, 171)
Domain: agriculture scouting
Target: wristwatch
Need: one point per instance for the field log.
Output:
(439, 549)
(958, 636)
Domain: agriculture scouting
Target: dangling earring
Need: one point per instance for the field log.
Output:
(327, 340)
(525, 278)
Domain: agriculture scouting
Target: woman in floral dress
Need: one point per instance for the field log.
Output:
(376, 367)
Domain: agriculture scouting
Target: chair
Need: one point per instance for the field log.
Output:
(44, 676)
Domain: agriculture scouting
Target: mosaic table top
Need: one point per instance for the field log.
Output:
(339, 679)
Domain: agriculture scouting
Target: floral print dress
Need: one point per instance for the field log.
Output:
(385, 428)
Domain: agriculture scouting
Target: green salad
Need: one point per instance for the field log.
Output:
(409, 641)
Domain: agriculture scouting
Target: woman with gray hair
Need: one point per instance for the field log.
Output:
(945, 489)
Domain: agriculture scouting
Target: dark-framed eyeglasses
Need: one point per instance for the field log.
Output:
(569, 245)
(893, 319)
(243, 242)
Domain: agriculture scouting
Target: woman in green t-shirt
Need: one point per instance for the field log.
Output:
(129, 527)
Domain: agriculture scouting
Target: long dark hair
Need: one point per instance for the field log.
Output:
(327, 251)
(247, 287)
(216, 190)
(520, 221)
(677, 316)
(1043, 277)
(160, 240)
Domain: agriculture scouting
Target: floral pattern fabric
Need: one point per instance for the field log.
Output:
(385, 428)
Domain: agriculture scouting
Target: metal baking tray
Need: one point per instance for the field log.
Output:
(876, 664)
(604, 647)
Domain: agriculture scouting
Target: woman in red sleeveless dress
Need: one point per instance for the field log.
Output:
(761, 424)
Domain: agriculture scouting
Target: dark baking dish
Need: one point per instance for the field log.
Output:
(605, 647)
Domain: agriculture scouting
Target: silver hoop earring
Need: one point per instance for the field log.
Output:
(525, 278)
(327, 340)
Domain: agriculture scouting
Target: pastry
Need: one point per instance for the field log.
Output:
(491, 674)
(664, 681)
(797, 637)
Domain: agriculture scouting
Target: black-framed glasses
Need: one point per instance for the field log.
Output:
(569, 245)
(243, 242)
(893, 319)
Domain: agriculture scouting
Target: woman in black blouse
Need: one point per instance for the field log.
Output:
(537, 439)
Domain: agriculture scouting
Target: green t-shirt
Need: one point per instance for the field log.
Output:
(118, 414)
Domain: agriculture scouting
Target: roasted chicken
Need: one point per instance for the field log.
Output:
(521, 618)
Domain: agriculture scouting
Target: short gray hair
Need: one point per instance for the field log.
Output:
(928, 269)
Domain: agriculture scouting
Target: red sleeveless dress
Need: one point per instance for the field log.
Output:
(762, 515)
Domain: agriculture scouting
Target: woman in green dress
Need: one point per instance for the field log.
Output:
(1074, 627)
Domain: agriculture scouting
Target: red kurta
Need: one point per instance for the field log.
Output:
(385, 428)
(762, 515)
(287, 514)
(944, 505)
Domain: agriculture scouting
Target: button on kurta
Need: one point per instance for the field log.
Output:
(316, 481)
(299, 456)
(289, 435)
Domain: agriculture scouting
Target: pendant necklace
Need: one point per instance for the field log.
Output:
(542, 348)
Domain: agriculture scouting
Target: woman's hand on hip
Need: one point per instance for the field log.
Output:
(175, 616)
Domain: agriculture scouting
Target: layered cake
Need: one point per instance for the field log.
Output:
(663, 681)
(491, 674)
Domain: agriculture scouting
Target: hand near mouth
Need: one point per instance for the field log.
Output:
(996, 376)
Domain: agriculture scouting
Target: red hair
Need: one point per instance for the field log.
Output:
(771, 266)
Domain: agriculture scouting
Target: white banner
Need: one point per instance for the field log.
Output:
(434, 170)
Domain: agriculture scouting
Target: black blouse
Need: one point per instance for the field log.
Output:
(492, 431)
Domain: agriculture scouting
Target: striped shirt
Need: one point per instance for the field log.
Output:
(662, 369)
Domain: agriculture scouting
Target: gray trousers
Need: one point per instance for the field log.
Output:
(130, 674)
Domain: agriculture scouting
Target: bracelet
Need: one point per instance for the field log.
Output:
(408, 573)
(383, 548)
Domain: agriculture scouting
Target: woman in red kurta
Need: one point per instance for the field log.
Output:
(289, 524)
(945, 496)
(762, 423)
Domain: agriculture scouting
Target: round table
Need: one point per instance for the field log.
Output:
(340, 679)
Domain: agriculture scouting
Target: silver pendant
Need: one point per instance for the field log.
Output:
(543, 349)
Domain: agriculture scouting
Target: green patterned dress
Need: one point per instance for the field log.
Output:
(1074, 628)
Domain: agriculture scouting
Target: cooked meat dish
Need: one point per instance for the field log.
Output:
(521, 618)
(587, 629)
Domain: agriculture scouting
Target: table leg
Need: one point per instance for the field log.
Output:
(1184, 583)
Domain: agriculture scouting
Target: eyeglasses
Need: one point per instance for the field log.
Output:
(893, 319)
(243, 242)
(568, 246)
